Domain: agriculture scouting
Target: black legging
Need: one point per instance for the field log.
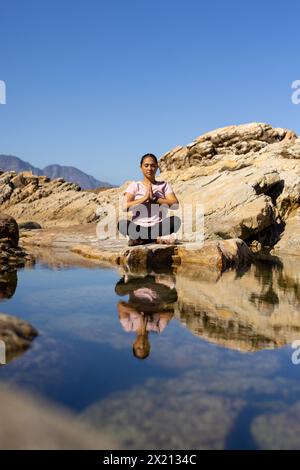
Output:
(136, 231)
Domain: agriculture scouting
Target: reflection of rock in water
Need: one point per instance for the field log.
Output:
(56, 258)
(16, 334)
(8, 284)
(259, 309)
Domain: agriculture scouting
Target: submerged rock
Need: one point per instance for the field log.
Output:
(278, 431)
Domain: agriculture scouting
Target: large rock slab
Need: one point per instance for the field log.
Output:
(230, 140)
(82, 240)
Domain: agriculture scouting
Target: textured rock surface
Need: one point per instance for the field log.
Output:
(215, 254)
(47, 202)
(247, 178)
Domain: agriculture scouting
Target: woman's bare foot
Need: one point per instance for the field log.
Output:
(167, 239)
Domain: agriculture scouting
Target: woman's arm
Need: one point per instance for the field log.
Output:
(130, 201)
(169, 200)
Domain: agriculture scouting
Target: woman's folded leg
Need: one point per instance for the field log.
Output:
(149, 234)
(133, 230)
(166, 227)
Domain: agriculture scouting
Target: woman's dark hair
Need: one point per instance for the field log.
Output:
(148, 155)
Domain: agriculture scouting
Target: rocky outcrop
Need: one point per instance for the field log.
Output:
(16, 334)
(246, 178)
(227, 141)
(28, 197)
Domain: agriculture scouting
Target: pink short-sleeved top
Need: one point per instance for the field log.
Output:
(133, 322)
(148, 214)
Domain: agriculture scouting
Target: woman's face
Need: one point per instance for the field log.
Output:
(141, 346)
(149, 167)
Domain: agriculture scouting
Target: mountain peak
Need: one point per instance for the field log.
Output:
(68, 173)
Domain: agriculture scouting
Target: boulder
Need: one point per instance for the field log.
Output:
(30, 225)
(218, 255)
(9, 230)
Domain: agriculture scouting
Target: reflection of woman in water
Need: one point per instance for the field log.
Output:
(149, 308)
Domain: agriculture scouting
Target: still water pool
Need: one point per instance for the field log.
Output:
(174, 361)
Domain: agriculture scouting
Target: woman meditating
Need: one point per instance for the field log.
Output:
(149, 200)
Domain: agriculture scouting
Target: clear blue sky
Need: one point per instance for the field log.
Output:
(96, 84)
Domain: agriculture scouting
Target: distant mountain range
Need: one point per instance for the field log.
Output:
(68, 173)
